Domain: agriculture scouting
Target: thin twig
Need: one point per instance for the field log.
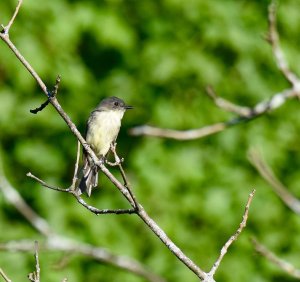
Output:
(265, 171)
(75, 178)
(35, 275)
(227, 105)
(43, 183)
(80, 200)
(282, 264)
(103, 211)
(147, 130)
(41, 107)
(273, 39)
(37, 263)
(234, 236)
(4, 276)
(56, 86)
(51, 94)
(6, 29)
(118, 161)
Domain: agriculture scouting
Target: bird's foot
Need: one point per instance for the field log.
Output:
(101, 161)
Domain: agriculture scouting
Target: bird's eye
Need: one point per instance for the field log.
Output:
(116, 104)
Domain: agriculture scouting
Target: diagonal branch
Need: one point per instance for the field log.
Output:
(265, 171)
(227, 105)
(273, 39)
(282, 264)
(4, 276)
(118, 162)
(14, 198)
(233, 237)
(74, 180)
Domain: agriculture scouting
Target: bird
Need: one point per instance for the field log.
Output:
(102, 130)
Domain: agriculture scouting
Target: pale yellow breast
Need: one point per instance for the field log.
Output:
(103, 130)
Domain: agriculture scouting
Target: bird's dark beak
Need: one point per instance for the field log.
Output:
(128, 107)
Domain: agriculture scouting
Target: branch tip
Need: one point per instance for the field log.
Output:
(234, 237)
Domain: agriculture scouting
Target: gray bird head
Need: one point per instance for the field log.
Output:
(113, 104)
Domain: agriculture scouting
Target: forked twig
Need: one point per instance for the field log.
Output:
(258, 110)
(5, 29)
(80, 200)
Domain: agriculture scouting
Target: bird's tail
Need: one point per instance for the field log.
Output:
(89, 179)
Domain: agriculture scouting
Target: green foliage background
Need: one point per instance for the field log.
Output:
(157, 56)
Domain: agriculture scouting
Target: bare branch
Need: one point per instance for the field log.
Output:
(233, 237)
(118, 161)
(6, 29)
(282, 264)
(4, 276)
(53, 93)
(143, 215)
(43, 183)
(261, 108)
(35, 276)
(265, 171)
(57, 242)
(100, 254)
(243, 113)
(80, 200)
(56, 86)
(190, 134)
(76, 167)
(227, 105)
(102, 211)
(13, 197)
(273, 39)
(40, 108)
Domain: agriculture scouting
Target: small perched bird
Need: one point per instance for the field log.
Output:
(102, 130)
